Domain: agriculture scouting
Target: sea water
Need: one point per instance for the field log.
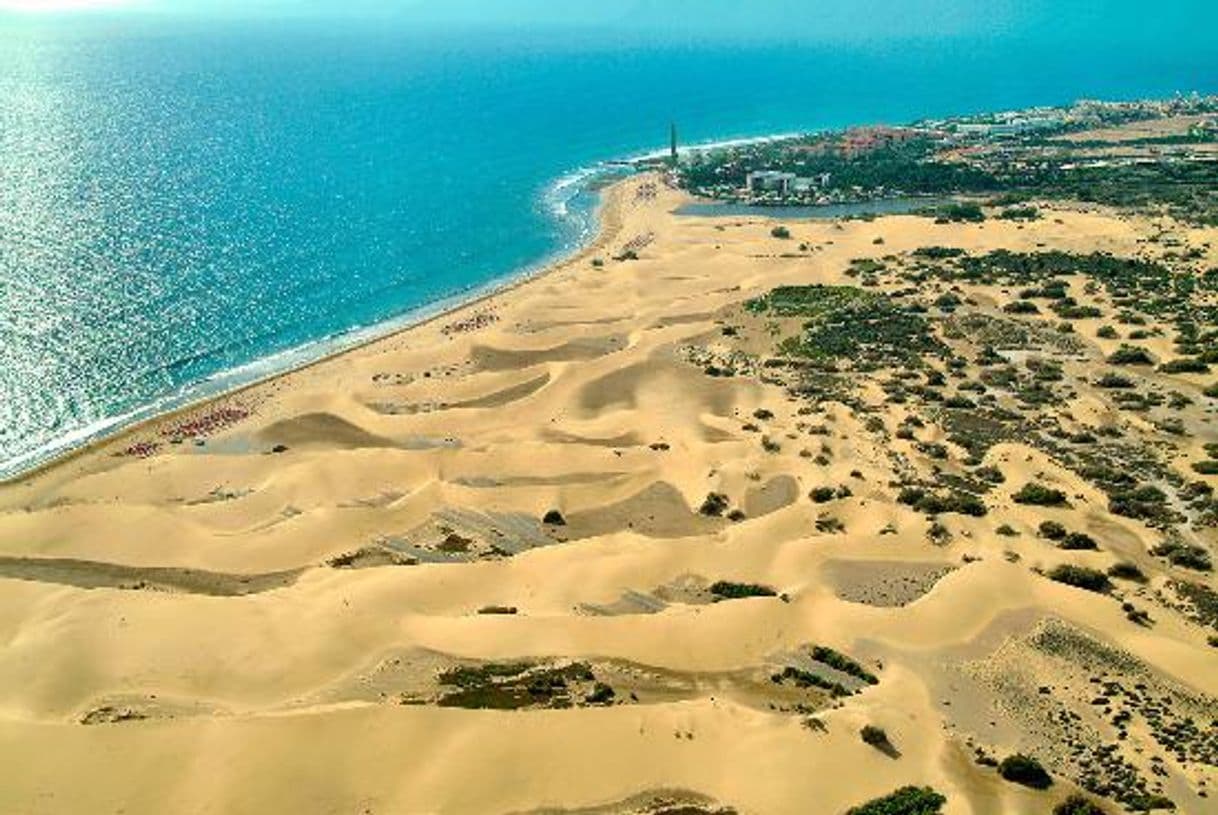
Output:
(185, 207)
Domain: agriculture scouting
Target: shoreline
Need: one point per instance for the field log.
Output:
(606, 221)
(228, 383)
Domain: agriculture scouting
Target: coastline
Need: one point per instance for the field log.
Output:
(606, 221)
(560, 481)
(230, 383)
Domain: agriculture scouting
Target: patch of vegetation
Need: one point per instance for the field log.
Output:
(1052, 530)
(1020, 214)
(1125, 570)
(1033, 494)
(875, 736)
(806, 679)
(516, 685)
(931, 503)
(1185, 365)
(1081, 577)
(715, 505)
(905, 801)
(1078, 542)
(727, 590)
(781, 232)
(1078, 805)
(868, 329)
(1131, 355)
(960, 213)
(1209, 467)
(841, 662)
(1114, 381)
(938, 252)
(1185, 555)
(1025, 770)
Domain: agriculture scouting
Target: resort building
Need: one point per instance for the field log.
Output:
(763, 181)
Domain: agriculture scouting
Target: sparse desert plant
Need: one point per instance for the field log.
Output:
(1114, 381)
(1185, 365)
(727, 590)
(1052, 530)
(1021, 307)
(1212, 391)
(1185, 555)
(781, 232)
(1131, 355)
(1206, 467)
(1038, 495)
(1124, 570)
(829, 525)
(822, 495)
(874, 736)
(1025, 770)
(905, 801)
(1081, 577)
(715, 505)
(841, 662)
(1106, 332)
(1078, 541)
(1078, 805)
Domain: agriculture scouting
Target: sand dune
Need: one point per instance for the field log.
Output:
(564, 552)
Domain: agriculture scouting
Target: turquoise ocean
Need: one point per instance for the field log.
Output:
(188, 206)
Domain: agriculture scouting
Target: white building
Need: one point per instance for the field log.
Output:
(770, 181)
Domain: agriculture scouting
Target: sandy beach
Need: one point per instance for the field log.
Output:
(562, 549)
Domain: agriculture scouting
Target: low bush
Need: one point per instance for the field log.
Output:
(1039, 495)
(1081, 577)
(905, 801)
(781, 232)
(1078, 805)
(1131, 355)
(1021, 769)
(1052, 530)
(1078, 542)
(1126, 571)
(727, 590)
(1185, 365)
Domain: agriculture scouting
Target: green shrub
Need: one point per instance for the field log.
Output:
(821, 495)
(781, 232)
(1078, 541)
(1021, 769)
(806, 679)
(961, 213)
(1041, 496)
(1081, 577)
(726, 590)
(839, 661)
(1212, 391)
(1125, 570)
(905, 801)
(1131, 355)
(1021, 307)
(1206, 467)
(1184, 555)
(1052, 530)
(715, 505)
(874, 736)
(1115, 382)
(1185, 365)
(1078, 805)
(1106, 332)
